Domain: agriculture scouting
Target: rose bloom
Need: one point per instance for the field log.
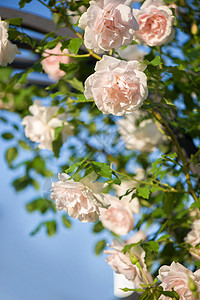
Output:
(144, 136)
(79, 199)
(193, 238)
(120, 280)
(7, 49)
(51, 64)
(40, 127)
(132, 52)
(117, 87)
(122, 264)
(108, 24)
(156, 22)
(118, 218)
(176, 276)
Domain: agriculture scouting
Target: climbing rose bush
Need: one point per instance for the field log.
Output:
(177, 276)
(51, 64)
(118, 218)
(80, 200)
(40, 127)
(7, 49)
(108, 24)
(156, 22)
(117, 87)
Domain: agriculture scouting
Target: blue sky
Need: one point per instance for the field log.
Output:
(41, 267)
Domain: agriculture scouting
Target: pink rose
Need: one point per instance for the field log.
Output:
(108, 24)
(177, 276)
(122, 264)
(117, 87)
(193, 238)
(118, 217)
(79, 199)
(51, 64)
(156, 22)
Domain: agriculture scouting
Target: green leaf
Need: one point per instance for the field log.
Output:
(11, 154)
(23, 2)
(66, 221)
(40, 204)
(156, 61)
(21, 183)
(74, 45)
(24, 145)
(70, 69)
(196, 204)
(143, 192)
(7, 136)
(14, 21)
(168, 102)
(173, 155)
(57, 144)
(102, 169)
(51, 227)
(197, 264)
(130, 246)
(163, 238)
(74, 166)
(76, 84)
(100, 246)
(98, 227)
(152, 246)
(35, 183)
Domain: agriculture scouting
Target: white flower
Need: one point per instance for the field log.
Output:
(177, 276)
(80, 200)
(156, 22)
(108, 24)
(143, 137)
(7, 49)
(117, 87)
(40, 127)
(132, 52)
(193, 238)
(121, 263)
